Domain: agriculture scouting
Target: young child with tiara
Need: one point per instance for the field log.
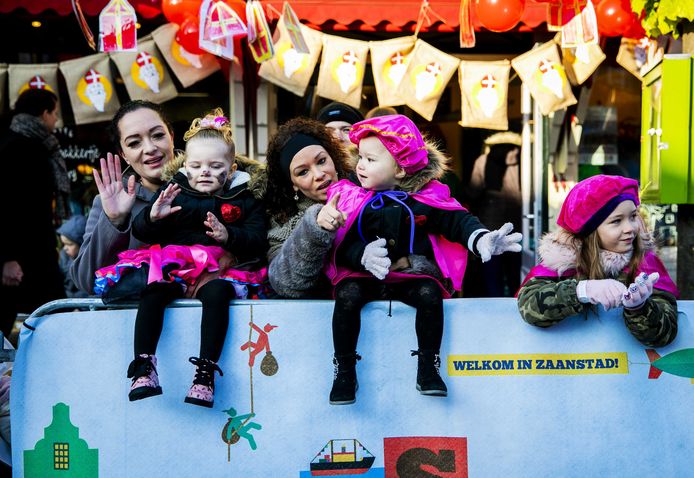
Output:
(403, 239)
(602, 254)
(208, 233)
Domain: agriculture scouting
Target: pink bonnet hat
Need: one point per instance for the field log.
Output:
(399, 135)
(590, 202)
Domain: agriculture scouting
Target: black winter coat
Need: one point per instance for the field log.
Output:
(392, 222)
(241, 213)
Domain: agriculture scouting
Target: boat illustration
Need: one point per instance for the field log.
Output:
(342, 457)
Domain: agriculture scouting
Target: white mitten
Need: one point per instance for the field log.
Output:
(499, 241)
(375, 258)
(608, 292)
(640, 290)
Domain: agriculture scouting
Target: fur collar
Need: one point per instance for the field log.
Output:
(435, 169)
(558, 251)
(257, 179)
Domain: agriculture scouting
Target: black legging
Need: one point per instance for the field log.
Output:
(352, 294)
(215, 297)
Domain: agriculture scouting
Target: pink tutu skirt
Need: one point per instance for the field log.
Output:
(184, 264)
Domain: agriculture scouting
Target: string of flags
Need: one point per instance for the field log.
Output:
(406, 70)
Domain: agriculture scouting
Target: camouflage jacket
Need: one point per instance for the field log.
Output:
(545, 301)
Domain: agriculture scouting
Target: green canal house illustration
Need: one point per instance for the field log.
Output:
(61, 452)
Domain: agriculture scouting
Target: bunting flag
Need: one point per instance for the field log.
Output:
(341, 73)
(581, 62)
(23, 77)
(3, 87)
(259, 37)
(542, 71)
(388, 63)
(219, 24)
(428, 72)
(639, 56)
(188, 67)
(144, 74)
(484, 94)
(293, 27)
(581, 30)
(90, 87)
(117, 27)
(561, 12)
(290, 69)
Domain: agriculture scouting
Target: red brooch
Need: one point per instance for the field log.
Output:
(230, 213)
(418, 220)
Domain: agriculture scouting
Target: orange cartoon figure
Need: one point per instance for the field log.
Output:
(262, 343)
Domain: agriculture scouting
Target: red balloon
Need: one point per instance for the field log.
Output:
(176, 11)
(499, 15)
(148, 8)
(188, 35)
(614, 17)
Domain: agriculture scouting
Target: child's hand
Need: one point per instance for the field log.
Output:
(330, 217)
(497, 242)
(640, 290)
(162, 206)
(375, 258)
(115, 200)
(12, 274)
(218, 232)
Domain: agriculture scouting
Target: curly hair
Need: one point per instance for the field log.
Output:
(213, 125)
(279, 197)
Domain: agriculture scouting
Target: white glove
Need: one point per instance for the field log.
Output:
(375, 258)
(608, 292)
(640, 290)
(497, 242)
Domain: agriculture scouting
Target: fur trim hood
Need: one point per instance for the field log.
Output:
(558, 251)
(435, 169)
(257, 183)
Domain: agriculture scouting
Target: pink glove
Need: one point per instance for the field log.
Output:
(640, 290)
(608, 292)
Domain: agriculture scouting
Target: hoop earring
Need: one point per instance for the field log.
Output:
(296, 196)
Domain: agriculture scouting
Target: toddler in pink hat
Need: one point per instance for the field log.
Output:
(602, 254)
(404, 238)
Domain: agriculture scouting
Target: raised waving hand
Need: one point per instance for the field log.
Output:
(116, 201)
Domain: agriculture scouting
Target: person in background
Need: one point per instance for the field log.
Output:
(496, 192)
(144, 139)
(339, 118)
(71, 234)
(35, 177)
(380, 111)
(602, 254)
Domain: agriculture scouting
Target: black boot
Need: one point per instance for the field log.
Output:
(429, 381)
(345, 383)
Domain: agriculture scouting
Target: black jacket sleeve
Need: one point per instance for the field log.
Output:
(249, 240)
(456, 226)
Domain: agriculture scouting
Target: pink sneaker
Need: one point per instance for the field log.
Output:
(143, 371)
(202, 391)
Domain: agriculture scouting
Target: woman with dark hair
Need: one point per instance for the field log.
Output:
(35, 176)
(303, 159)
(144, 139)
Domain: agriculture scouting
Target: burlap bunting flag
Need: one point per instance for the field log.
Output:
(341, 73)
(90, 87)
(484, 94)
(144, 73)
(581, 62)
(188, 67)
(389, 60)
(542, 71)
(23, 77)
(428, 72)
(288, 68)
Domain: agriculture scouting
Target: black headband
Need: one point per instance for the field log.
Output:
(295, 144)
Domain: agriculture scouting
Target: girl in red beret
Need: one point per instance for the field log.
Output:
(204, 220)
(402, 237)
(602, 254)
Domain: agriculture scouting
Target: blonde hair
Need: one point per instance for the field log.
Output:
(212, 125)
(588, 261)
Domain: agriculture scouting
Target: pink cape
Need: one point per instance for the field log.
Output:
(451, 257)
(651, 263)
